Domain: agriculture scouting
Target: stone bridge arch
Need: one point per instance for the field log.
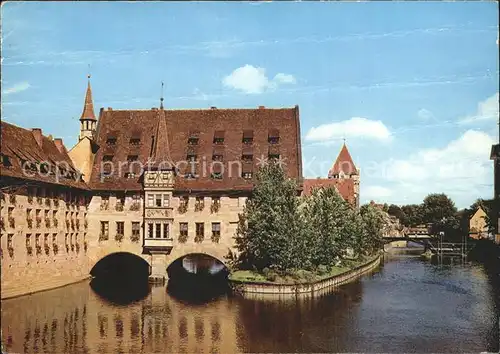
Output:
(218, 252)
(107, 248)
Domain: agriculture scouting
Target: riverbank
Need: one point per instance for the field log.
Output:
(246, 282)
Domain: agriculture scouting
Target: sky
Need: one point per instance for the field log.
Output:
(412, 87)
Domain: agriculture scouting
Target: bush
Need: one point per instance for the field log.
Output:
(322, 269)
(272, 275)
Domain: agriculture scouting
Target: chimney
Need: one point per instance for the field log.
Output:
(110, 109)
(59, 145)
(262, 107)
(37, 134)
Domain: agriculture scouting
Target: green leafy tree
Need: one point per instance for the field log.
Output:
(271, 230)
(412, 215)
(328, 219)
(436, 207)
(373, 226)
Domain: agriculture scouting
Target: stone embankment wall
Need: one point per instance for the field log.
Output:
(247, 287)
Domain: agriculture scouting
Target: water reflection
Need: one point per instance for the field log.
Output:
(408, 306)
(120, 292)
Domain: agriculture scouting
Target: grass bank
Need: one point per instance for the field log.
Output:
(299, 276)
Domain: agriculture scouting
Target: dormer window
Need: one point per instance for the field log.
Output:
(130, 175)
(194, 137)
(107, 158)
(216, 175)
(274, 136)
(247, 157)
(131, 158)
(191, 156)
(189, 175)
(5, 161)
(111, 141)
(273, 156)
(219, 137)
(218, 153)
(217, 157)
(247, 137)
(135, 138)
(247, 172)
(44, 168)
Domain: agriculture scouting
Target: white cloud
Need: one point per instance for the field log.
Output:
(424, 114)
(356, 127)
(486, 110)
(375, 192)
(284, 78)
(461, 169)
(252, 80)
(19, 87)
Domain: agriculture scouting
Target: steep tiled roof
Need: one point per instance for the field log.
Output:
(19, 145)
(194, 133)
(161, 144)
(345, 187)
(343, 163)
(88, 108)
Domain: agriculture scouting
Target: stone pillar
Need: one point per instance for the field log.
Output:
(158, 268)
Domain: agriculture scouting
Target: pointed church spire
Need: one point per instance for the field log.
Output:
(88, 108)
(161, 98)
(161, 148)
(344, 164)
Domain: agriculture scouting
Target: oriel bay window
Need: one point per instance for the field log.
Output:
(150, 230)
(158, 230)
(166, 230)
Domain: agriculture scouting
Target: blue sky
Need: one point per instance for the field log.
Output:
(412, 86)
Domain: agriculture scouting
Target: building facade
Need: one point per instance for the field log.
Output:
(44, 215)
(478, 227)
(159, 184)
(343, 176)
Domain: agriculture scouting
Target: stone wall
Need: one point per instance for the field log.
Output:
(57, 258)
(275, 289)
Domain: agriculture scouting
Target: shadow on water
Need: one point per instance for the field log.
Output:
(197, 288)
(121, 278)
(121, 291)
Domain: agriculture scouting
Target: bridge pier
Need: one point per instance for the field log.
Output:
(158, 273)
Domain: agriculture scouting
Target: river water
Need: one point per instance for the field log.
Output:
(408, 305)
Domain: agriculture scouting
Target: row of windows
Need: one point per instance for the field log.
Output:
(159, 229)
(247, 137)
(70, 242)
(111, 140)
(245, 157)
(218, 138)
(130, 158)
(155, 229)
(120, 228)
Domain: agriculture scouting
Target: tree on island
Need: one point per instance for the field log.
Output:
(278, 231)
(331, 226)
(271, 228)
